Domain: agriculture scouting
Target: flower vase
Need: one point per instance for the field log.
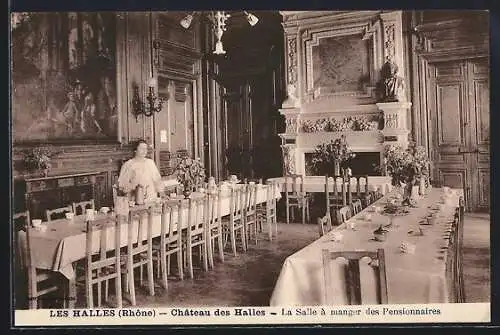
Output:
(407, 192)
(45, 172)
(187, 191)
(421, 187)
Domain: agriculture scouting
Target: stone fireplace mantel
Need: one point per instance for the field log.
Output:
(390, 127)
(333, 61)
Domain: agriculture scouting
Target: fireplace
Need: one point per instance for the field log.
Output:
(365, 163)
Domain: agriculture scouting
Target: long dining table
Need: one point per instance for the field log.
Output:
(63, 242)
(412, 277)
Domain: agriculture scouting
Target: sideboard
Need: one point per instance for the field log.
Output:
(58, 191)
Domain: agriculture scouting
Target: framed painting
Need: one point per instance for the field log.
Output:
(63, 72)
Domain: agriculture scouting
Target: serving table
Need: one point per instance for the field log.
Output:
(420, 277)
(63, 242)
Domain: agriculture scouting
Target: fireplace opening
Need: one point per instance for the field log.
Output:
(365, 163)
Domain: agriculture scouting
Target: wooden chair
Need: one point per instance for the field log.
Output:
(104, 263)
(214, 229)
(41, 282)
(170, 243)
(80, 207)
(139, 252)
(266, 212)
(196, 233)
(343, 214)
(296, 197)
(458, 250)
(233, 224)
(250, 211)
(325, 224)
(377, 194)
(356, 206)
(58, 212)
(358, 192)
(336, 197)
(353, 280)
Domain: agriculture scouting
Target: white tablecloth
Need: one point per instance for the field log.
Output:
(412, 278)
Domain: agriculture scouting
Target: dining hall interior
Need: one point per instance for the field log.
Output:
(250, 158)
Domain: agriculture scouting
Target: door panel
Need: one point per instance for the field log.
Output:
(450, 99)
(453, 177)
(482, 110)
(484, 187)
(459, 118)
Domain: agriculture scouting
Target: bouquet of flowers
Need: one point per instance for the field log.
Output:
(190, 173)
(38, 158)
(329, 155)
(406, 165)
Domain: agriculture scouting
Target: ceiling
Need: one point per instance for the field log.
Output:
(248, 48)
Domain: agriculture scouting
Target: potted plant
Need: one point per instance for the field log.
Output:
(406, 166)
(38, 159)
(190, 174)
(333, 155)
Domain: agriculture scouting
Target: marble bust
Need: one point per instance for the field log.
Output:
(391, 85)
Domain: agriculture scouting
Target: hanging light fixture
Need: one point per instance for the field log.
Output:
(218, 20)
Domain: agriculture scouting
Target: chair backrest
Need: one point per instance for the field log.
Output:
(250, 198)
(356, 206)
(143, 215)
(344, 214)
(213, 209)
(23, 222)
(271, 188)
(333, 192)
(325, 224)
(359, 184)
(294, 185)
(353, 280)
(80, 207)
(171, 222)
(236, 202)
(103, 255)
(458, 249)
(58, 212)
(196, 219)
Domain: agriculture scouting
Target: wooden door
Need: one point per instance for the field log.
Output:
(237, 129)
(459, 127)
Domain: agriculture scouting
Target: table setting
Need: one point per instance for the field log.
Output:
(415, 249)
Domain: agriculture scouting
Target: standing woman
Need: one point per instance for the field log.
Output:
(141, 170)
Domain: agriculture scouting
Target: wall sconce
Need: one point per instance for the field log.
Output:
(153, 103)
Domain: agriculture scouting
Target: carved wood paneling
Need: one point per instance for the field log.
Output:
(484, 187)
(170, 30)
(452, 177)
(102, 190)
(482, 110)
(450, 99)
(166, 163)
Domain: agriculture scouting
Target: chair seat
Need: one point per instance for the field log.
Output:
(169, 246)
(43, 274)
